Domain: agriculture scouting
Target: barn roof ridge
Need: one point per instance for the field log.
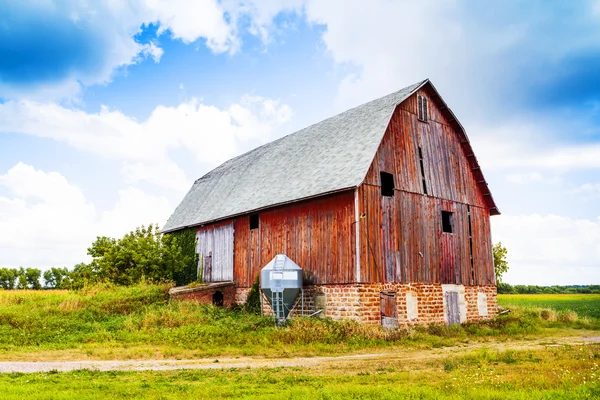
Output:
(327, 157)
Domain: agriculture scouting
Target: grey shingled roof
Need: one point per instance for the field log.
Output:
(330, 156)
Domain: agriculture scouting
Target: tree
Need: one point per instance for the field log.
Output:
(32, 276)
(57, 278)
(82, 275)
(8, 277)
(21, 279)
(500, 262)
(143, 254)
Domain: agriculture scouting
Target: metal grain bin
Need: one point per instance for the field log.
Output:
(281, 282)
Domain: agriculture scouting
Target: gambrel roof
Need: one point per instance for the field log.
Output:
(330, 156)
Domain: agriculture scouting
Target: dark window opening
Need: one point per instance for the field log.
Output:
(422, 170)
(422, 108)
(217, 299)
(254, 221)
(387, 184)
(446, 221)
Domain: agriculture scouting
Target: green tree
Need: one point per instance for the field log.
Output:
(57, 278)
(82, 275)
(143, 254)
(21, 279)
(8, 277)
(186, 239)
(500, 262)
(32, 276)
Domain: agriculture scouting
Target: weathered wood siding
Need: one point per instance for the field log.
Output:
(215, 250)
(401, 238)
(318, 235)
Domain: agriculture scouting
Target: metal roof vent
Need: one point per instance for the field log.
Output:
(281, 282)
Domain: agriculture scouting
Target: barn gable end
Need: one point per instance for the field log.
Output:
(402, 239)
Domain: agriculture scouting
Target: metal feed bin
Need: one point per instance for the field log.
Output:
(281, 283)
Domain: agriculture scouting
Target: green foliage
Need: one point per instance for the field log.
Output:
(12, 278)
(141, 255)
(32, 275)
(57, 278)
(253, 301)
(8, 278)
(82, 275)
(505, 288)
(500, 262)
(186, 240)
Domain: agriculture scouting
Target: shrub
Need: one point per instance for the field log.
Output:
(253, 301)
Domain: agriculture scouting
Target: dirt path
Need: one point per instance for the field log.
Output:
(248, 362)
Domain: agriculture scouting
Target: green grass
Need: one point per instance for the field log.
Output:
(140, 322)
(559, 373)
(584, 305)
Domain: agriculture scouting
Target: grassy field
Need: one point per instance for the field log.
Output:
(584, 305)
(140, 322)
(553, 373)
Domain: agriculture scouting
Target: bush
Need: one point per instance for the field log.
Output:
(141, 255)
(253, 301)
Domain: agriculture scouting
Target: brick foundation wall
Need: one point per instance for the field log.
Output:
(361, 302)
(205, 295)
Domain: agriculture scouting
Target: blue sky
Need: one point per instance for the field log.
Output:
(109, 110)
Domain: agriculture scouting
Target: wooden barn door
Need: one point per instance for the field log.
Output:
(389, 313)
(452, 310)
(215, 250)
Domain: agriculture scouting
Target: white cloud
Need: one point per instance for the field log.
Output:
(210, 134)
(550, 249)
(524, 178)
(47, 221)
(101, 37)
(589, 191)
(152, 50)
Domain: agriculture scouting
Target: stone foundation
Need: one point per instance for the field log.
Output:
(416, 304)
(225, 291)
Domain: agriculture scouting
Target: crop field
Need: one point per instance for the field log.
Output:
(584, 305)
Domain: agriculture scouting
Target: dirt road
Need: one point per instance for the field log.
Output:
(248, 362)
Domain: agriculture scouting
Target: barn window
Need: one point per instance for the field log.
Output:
(447, 221)
(387, 184)
(423, 108)
(254, 221)
(422, 170)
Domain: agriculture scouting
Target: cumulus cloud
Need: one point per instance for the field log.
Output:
(45, 220)
(211, 135)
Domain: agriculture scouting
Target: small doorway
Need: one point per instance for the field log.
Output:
(452, 310)
(389, 312)
(217, 298)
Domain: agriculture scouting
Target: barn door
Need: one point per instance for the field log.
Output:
(215, 250)
(389, 314)
(452, 310)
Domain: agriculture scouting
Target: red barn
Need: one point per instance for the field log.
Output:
(384, 207)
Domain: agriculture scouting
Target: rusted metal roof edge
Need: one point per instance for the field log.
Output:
(200, 224)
